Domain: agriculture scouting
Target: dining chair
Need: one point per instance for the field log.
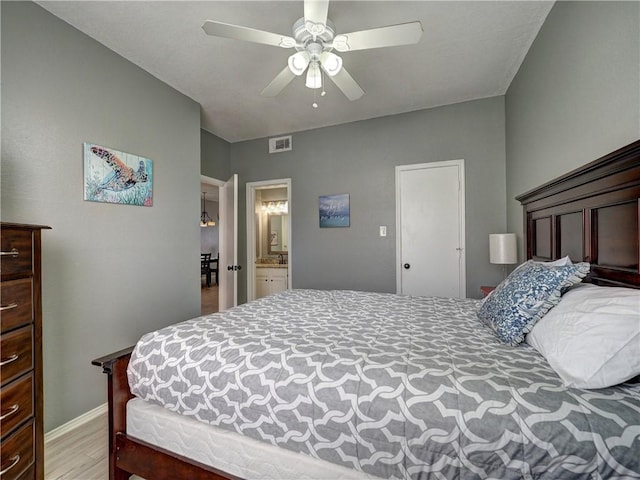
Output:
(205, 267)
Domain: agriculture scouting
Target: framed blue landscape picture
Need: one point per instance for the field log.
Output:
(334, 210)
(112, 176)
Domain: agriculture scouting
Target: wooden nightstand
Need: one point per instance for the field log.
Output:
(486, 290)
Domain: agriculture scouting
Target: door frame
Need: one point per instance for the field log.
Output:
(461, 219)
(251, 230)
(218, 183)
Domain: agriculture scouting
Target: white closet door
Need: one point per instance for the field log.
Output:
(430, 229)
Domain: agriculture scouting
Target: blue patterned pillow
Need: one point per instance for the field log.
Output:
(515, 306)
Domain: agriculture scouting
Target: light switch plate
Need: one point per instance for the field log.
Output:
(383, 230)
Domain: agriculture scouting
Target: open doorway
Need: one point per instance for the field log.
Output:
(268, 237)
(209, 244)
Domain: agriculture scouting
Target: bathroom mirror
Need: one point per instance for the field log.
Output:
(277, 233)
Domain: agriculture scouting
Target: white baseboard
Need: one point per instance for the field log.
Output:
(76, 422)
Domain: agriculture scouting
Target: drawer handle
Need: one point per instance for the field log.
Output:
(14, 462)
(11, 359)
(12, 409)
(13, 253)
(8, 307)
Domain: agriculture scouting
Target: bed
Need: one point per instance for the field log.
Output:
(358, 385)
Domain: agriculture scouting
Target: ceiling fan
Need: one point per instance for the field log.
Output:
(314, 38)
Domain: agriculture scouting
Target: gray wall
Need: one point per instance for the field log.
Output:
(215, 154)
(110, 272)
(359, 159)
(575, 98)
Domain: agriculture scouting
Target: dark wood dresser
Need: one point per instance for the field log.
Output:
(21, 402)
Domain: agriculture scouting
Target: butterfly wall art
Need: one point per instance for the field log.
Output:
(112, 176)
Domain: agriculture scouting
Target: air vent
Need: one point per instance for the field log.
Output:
(280, 144)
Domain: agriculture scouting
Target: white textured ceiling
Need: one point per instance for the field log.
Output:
(469, 50)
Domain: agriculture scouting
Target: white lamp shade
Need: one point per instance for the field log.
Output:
(298, 62)
(331, 63)
(503, 248)
(314, 78)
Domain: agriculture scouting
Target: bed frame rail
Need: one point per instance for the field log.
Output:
(118, 393)
(149, 461)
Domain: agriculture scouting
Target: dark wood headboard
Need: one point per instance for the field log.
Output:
(591, 214)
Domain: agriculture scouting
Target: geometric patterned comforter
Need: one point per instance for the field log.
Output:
(396, 386)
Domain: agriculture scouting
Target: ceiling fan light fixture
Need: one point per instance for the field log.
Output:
(314, 38)
(314, 77)
(331, 63)
(298, 62)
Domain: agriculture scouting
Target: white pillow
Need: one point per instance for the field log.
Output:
(592, 337)
(561, 262)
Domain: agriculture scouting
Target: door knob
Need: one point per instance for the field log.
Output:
(407, 266)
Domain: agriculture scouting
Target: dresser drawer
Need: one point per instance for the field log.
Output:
(17, 453)
(16, 353)
(16, 303)
(16, 247)
(16, 403)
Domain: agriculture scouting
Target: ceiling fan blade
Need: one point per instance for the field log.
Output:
(316, 11)
(226, 30)
(277, 84)
(345, 82)
(402, 34)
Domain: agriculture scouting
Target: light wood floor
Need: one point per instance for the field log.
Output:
(80, 454)
(209, 296)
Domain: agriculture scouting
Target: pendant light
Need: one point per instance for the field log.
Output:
(205, 219)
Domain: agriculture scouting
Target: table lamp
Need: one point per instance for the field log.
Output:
(503, 250)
